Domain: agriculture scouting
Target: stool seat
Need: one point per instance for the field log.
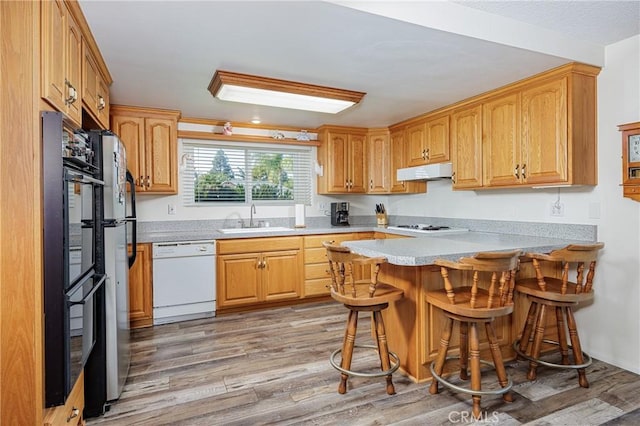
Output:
(558, 295)
(473, 305)
(360, 294)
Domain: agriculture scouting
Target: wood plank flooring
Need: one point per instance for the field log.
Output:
(271, 367)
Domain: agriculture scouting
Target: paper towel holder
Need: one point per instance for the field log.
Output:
(299, 216)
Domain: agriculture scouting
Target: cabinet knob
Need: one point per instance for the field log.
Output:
(75, 412)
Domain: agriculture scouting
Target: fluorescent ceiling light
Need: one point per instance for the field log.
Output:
(235, 87)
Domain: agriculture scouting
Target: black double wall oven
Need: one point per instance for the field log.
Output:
(73, 285)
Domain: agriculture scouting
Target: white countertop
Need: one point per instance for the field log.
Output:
(427, 248)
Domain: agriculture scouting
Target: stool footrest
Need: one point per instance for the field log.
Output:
(457, 388)
(587, 357)
(395, 364)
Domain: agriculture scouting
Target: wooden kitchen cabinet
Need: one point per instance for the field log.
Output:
(71, 412)
(61, 53)
(466, 147)
(342, 155)
(151, 140)
(379, 161)
(257, 271)
(501, 149)
(141, 288)
(95, 88)
(398, 161)
(428, 140)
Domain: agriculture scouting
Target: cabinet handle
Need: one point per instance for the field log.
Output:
(75, 412)
(371, 184)
(426, 153)
(453, 177)
(524, 171)
(101, 103)
(147, 182)
(72, 94)
(515, 172)
(140, 182)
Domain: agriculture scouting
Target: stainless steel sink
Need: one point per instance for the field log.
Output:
(256, 230)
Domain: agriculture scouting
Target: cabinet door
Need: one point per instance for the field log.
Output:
(436, 144)
(544, 133)
(337, 162)
(357, 164)
(89, 81)
(53, 53)
(281, 275)
(378, 152)
(102, 97)
(160, 155)
(501, 127)
(415, 144)
(238, 279)
(74, 69)
(141, 288)
(131, 132)
(466, 147)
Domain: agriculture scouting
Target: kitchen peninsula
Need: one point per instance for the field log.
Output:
(413, 326)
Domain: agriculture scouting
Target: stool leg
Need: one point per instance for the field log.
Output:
(347, 349)
(474, 361)
(445, 337)
(537, 341)
(464, 350)
(576, 347)
(562, 336)
(496, 354)
(383, 350)
(528, 327)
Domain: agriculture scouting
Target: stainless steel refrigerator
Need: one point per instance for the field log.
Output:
(116, 261)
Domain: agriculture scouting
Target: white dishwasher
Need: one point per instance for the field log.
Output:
(184, 281)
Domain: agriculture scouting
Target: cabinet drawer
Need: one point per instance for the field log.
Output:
(318, 287)
(317, 240)
(71, 412)
(318, 270)
(259, 245)
(315, 255)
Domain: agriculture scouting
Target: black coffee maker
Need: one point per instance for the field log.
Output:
(340, 214)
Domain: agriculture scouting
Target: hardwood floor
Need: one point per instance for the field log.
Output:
(271, 367)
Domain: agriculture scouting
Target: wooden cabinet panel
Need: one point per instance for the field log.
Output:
(379, 155)
(357, 164)
(416, 135)
(437, 140)
(141, 288)
(501, 126)
(151, 139)
(398, 161)
(281, 275)
(71, 412)
(238, 279)
(544, 133)
(95, 89)
(337, 163)
(466, 147)
(61, 41)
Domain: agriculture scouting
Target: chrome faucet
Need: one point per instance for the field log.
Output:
(252, 211)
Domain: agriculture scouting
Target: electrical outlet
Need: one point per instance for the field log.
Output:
(557, 209)
(171, 208)
(322, 206)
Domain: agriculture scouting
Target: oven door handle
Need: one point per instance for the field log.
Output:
(95, 288)
(80, 178)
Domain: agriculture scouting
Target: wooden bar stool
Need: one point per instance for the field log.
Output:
(361, 295)
(471, 305)
(562, 295)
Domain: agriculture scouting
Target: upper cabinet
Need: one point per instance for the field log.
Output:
(537, 132)
(428, 140)
(95, 89)
(61, 42)
(342, 155)
(151, 142)
(398, 152)
(379, 161)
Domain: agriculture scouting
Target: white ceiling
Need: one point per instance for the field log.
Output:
(409, 57)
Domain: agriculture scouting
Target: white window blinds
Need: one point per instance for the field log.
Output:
(216, 172)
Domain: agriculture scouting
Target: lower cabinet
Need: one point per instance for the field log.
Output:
(71, 412)
(255, 271)
(141, 288)
(316, 267)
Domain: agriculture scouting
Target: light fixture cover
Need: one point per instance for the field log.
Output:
(236, 87)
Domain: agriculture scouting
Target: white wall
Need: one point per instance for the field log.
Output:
(610, 328)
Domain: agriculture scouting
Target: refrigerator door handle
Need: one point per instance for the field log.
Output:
(132, 219)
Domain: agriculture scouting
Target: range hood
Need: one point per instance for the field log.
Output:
(427, 172)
